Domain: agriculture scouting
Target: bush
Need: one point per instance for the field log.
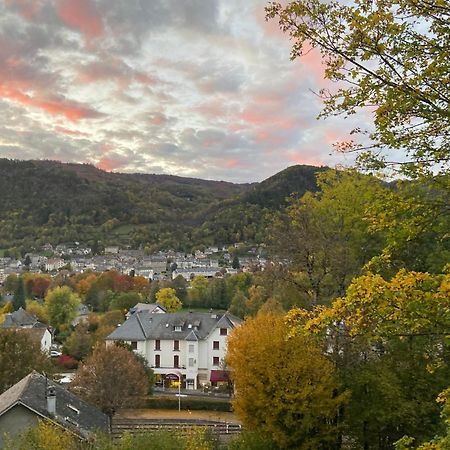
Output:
(67, 362)
(191, 403)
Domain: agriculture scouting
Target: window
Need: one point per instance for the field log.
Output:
(191, 362)
(157, 360)
(133, 345)
(223, 331)
(157, 344)
(176, 346)
(176, 361)
(215, 345)
(216, 361)
(177, 328)
(191, 348)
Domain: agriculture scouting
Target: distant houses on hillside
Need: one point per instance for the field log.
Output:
(157, 266)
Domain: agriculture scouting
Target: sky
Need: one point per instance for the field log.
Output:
(197, 88)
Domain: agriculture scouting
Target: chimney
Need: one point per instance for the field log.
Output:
(51, 400)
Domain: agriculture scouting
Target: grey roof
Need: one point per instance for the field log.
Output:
(19, 318)
(144, 325)
(71, 412)
(150, 307)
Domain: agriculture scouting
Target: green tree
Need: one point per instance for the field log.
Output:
(20, 355)
(285, 387)
(79, 343)
(167, 298)
(325, 237)
(19, 295)
(125, 300)
(389, 56)
(198, 294)
(388, 341)
(62, 306)
(111, 378)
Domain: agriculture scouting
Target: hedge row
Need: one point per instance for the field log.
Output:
(192, 403)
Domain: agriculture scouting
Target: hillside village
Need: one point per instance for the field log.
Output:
(210, 263)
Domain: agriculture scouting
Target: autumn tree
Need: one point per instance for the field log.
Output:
(19, 356)
(168, 299)
(111, 378)
(387, 338)
(285, 387)
(388, 56)
(323, 239)
(37, 309)
(44, 436)
(62, 306)
(79, 343)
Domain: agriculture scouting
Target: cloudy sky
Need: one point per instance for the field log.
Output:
(201, 88)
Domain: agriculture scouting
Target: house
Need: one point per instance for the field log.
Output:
(36, 397)
(23, 321)
(189, 274)
(185, 346)
(54, 264)
(153, 308)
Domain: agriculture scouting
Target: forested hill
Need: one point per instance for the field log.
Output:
(48, 201)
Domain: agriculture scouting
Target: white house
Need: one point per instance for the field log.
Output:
(189, 346)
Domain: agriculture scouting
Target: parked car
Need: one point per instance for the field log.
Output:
(55, 353)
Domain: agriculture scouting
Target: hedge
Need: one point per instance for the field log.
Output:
(192, 403)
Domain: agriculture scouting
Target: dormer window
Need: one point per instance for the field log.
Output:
(177, 328)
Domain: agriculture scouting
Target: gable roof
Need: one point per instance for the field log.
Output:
(144, 325)
(72, 413)
(19, 318)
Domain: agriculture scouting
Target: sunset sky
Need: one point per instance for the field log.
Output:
(201, 88)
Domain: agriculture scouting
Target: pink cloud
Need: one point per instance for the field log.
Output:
(212, 109)
(68, 132)
(303, 159)
(81, 15)
(26, 8)
(109, 163)
(72, 111)
(231, 163)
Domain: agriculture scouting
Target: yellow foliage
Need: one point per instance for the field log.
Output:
(45, 436)
(285, 386)
(197, 439)
(37, 309)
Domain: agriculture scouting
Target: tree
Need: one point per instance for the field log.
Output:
(235, 263)
(19, 356)
(125, 300)
(285, 387)
(19, 295)
(79, 343)
(11, 283)
(389, 56)
(111, 378)
(38, 310)
(62, 306)
(167, 298)
(388, 339)
(323, 239)
(198, 294)
(44, 436)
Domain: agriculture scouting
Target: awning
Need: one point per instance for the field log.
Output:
(219, 375)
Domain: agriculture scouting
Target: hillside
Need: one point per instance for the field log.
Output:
(48, 201)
